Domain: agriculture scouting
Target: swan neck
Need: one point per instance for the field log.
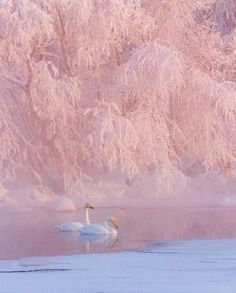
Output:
(87, 220)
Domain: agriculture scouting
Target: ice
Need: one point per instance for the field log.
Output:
(167, 267)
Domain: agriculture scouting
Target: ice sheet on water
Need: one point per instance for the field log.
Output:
(192, 247)
(168, 266)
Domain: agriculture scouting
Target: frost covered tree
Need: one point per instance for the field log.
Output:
(115, 84)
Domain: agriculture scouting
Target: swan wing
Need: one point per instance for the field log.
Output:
(70, 227)
(94, 229)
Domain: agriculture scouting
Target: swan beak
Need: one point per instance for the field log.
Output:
(115, 224)
(91, 207)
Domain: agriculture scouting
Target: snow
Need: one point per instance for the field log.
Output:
(140, 99)
(113, 189)
(194, 266)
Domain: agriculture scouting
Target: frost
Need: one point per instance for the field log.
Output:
(116, 85)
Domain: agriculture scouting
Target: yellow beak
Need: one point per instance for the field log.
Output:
(116, 225)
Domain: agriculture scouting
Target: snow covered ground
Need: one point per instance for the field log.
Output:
(112, 190)
(204, 266)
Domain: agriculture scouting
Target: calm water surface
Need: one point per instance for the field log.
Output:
(34, 234)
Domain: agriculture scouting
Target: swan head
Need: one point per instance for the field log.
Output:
(89, 206)
(112, 221)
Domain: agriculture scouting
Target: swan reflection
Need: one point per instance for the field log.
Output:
(90, 240)
(108, 240)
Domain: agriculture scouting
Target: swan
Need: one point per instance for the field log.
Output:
(109, 226)
(76, 226)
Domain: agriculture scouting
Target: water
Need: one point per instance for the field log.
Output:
(34, 234)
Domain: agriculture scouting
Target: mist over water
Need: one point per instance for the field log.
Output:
(34, 234)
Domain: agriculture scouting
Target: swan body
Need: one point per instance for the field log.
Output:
(76, 226)
(70, 227)
(109, 226)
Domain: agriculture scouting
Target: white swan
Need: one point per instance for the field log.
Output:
(109, 226)
(76, 226)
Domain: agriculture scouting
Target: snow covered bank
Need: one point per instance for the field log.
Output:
(147, 189)
(184, 266)
(78, 92)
